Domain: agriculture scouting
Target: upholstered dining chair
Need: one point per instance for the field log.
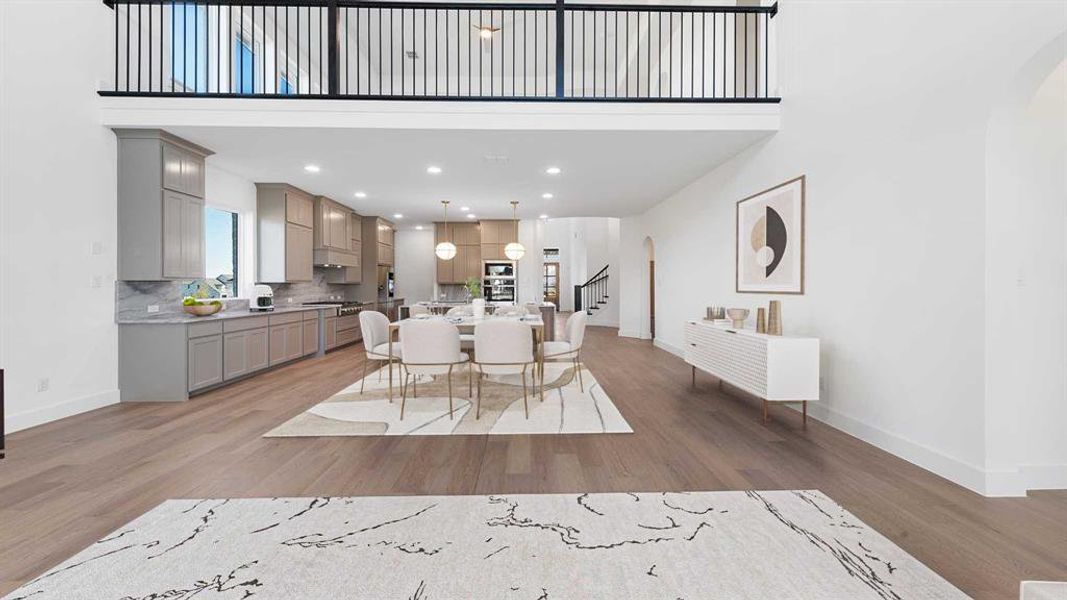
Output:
(466, 340)
(417, 309)
(433, 349)
(532, 308)
(375, 328)
(570, 346)
(503, 348)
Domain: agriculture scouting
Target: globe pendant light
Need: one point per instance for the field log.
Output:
(446, 250)
(514, 250)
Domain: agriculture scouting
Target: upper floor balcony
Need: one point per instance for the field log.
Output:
(444, 51)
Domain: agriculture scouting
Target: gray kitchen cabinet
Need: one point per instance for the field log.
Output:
(311, 337)
(277, 345)
(205, 361)
(284, 241)
(294, 341)
(244, 352)
(331, 332)
(160, 206)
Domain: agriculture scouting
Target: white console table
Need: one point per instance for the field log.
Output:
(773, 368)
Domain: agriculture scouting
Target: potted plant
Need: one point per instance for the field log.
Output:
(474, 289)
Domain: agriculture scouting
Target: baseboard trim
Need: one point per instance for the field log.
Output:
(632, 333)
(669, 347)
(1018, 481)
(59, 410)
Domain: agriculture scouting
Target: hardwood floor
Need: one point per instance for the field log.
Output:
(68, 483)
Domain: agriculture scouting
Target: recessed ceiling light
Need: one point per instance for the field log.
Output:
(312, 168)
(361, 194)
(547, 196)
(433, 170)
(553, 170)
(543, 217)
(472, 216)
(464, 208)
(418, 227)
(398, 216)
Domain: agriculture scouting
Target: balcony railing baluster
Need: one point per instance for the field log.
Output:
(338, 48)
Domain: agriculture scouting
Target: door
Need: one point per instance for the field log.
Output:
(173, 211)
(311, 337)
(551, 283)
(298, 253)
(258, 349)
(205, 361)
(193, 237)
(652, 298)
(235, 354)
(294, 341)
(277, 344)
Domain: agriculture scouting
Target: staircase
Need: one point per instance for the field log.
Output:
(592, 294)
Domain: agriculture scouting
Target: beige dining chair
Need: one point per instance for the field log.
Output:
(418, 309)
(532, 308)
(570, 346)
(433, 350)
(375, 328)
(503, 348)
(466, 340)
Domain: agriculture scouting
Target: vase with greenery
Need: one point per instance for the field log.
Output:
(474, 287)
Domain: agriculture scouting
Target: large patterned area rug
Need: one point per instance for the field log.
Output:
(566, 408)
(702, 545)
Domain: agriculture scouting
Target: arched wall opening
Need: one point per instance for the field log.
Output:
(1026, 279)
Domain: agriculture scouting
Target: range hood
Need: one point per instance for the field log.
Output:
(335, 258)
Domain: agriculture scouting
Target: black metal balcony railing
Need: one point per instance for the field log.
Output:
(399, 50)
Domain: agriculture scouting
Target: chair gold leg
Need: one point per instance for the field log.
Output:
(478, 410)
(403, 398)
(525, 402)
(542, 369)
(414, 387)
(470, 380)
(450, 392)
(578, 364)
(364, 380)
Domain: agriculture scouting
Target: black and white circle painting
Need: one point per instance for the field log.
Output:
(770, 240)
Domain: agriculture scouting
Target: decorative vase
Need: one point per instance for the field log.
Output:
(761, 320)
(774, 318)
(737, 317)
(478, 308)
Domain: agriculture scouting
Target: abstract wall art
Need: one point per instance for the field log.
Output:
(770, 240)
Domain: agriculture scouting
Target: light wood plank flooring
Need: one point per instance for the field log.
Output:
(66, 484)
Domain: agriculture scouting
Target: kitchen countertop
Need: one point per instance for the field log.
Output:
(185, 318)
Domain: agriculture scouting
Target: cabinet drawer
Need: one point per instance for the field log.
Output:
(201, 329)
(282, 319)
(347, 336)
(311, 315)
(347, 322)
(244, 324)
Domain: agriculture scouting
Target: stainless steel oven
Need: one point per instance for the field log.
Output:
(499, 281)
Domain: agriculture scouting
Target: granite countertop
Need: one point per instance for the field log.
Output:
(184, 318)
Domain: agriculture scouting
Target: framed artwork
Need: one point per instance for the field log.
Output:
(770, 240)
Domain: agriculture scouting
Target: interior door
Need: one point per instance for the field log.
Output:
(551, 283)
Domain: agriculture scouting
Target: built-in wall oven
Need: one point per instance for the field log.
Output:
(499, 283)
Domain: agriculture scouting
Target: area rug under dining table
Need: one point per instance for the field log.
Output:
(570, 405)
(700, 545)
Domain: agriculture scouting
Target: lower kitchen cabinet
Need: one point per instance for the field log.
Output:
(245, 352)
(170, 361)
(205, 361)
(311, 337)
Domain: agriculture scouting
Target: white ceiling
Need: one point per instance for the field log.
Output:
(605, 173)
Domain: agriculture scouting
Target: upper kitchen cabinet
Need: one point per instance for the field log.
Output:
(354, 273)
(333, 234)
(285, 237)
(495, 236)
(386, 235)
(468, 260)
(160, 206)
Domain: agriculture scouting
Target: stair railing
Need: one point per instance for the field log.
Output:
(591, 294)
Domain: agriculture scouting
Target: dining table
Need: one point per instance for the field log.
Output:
(466, 324)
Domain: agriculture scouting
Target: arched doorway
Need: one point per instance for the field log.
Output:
(649, 316)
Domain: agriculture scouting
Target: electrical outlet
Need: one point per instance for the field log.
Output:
(289, 300)
(153, 308)
(96, 248)
(42, 384)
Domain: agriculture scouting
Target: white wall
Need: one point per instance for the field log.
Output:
(587, 244)
(1026, 286)
(225, 190)
(416, 268)
(57, 212)
(890, 131)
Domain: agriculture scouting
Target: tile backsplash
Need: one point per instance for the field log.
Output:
(132, 298)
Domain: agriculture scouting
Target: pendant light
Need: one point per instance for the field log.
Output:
(514, 250)
(446, 250)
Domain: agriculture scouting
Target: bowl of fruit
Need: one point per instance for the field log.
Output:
(200, 309)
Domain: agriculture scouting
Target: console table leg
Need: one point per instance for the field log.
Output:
(764, 411)
(805, 414)
(694, 383)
